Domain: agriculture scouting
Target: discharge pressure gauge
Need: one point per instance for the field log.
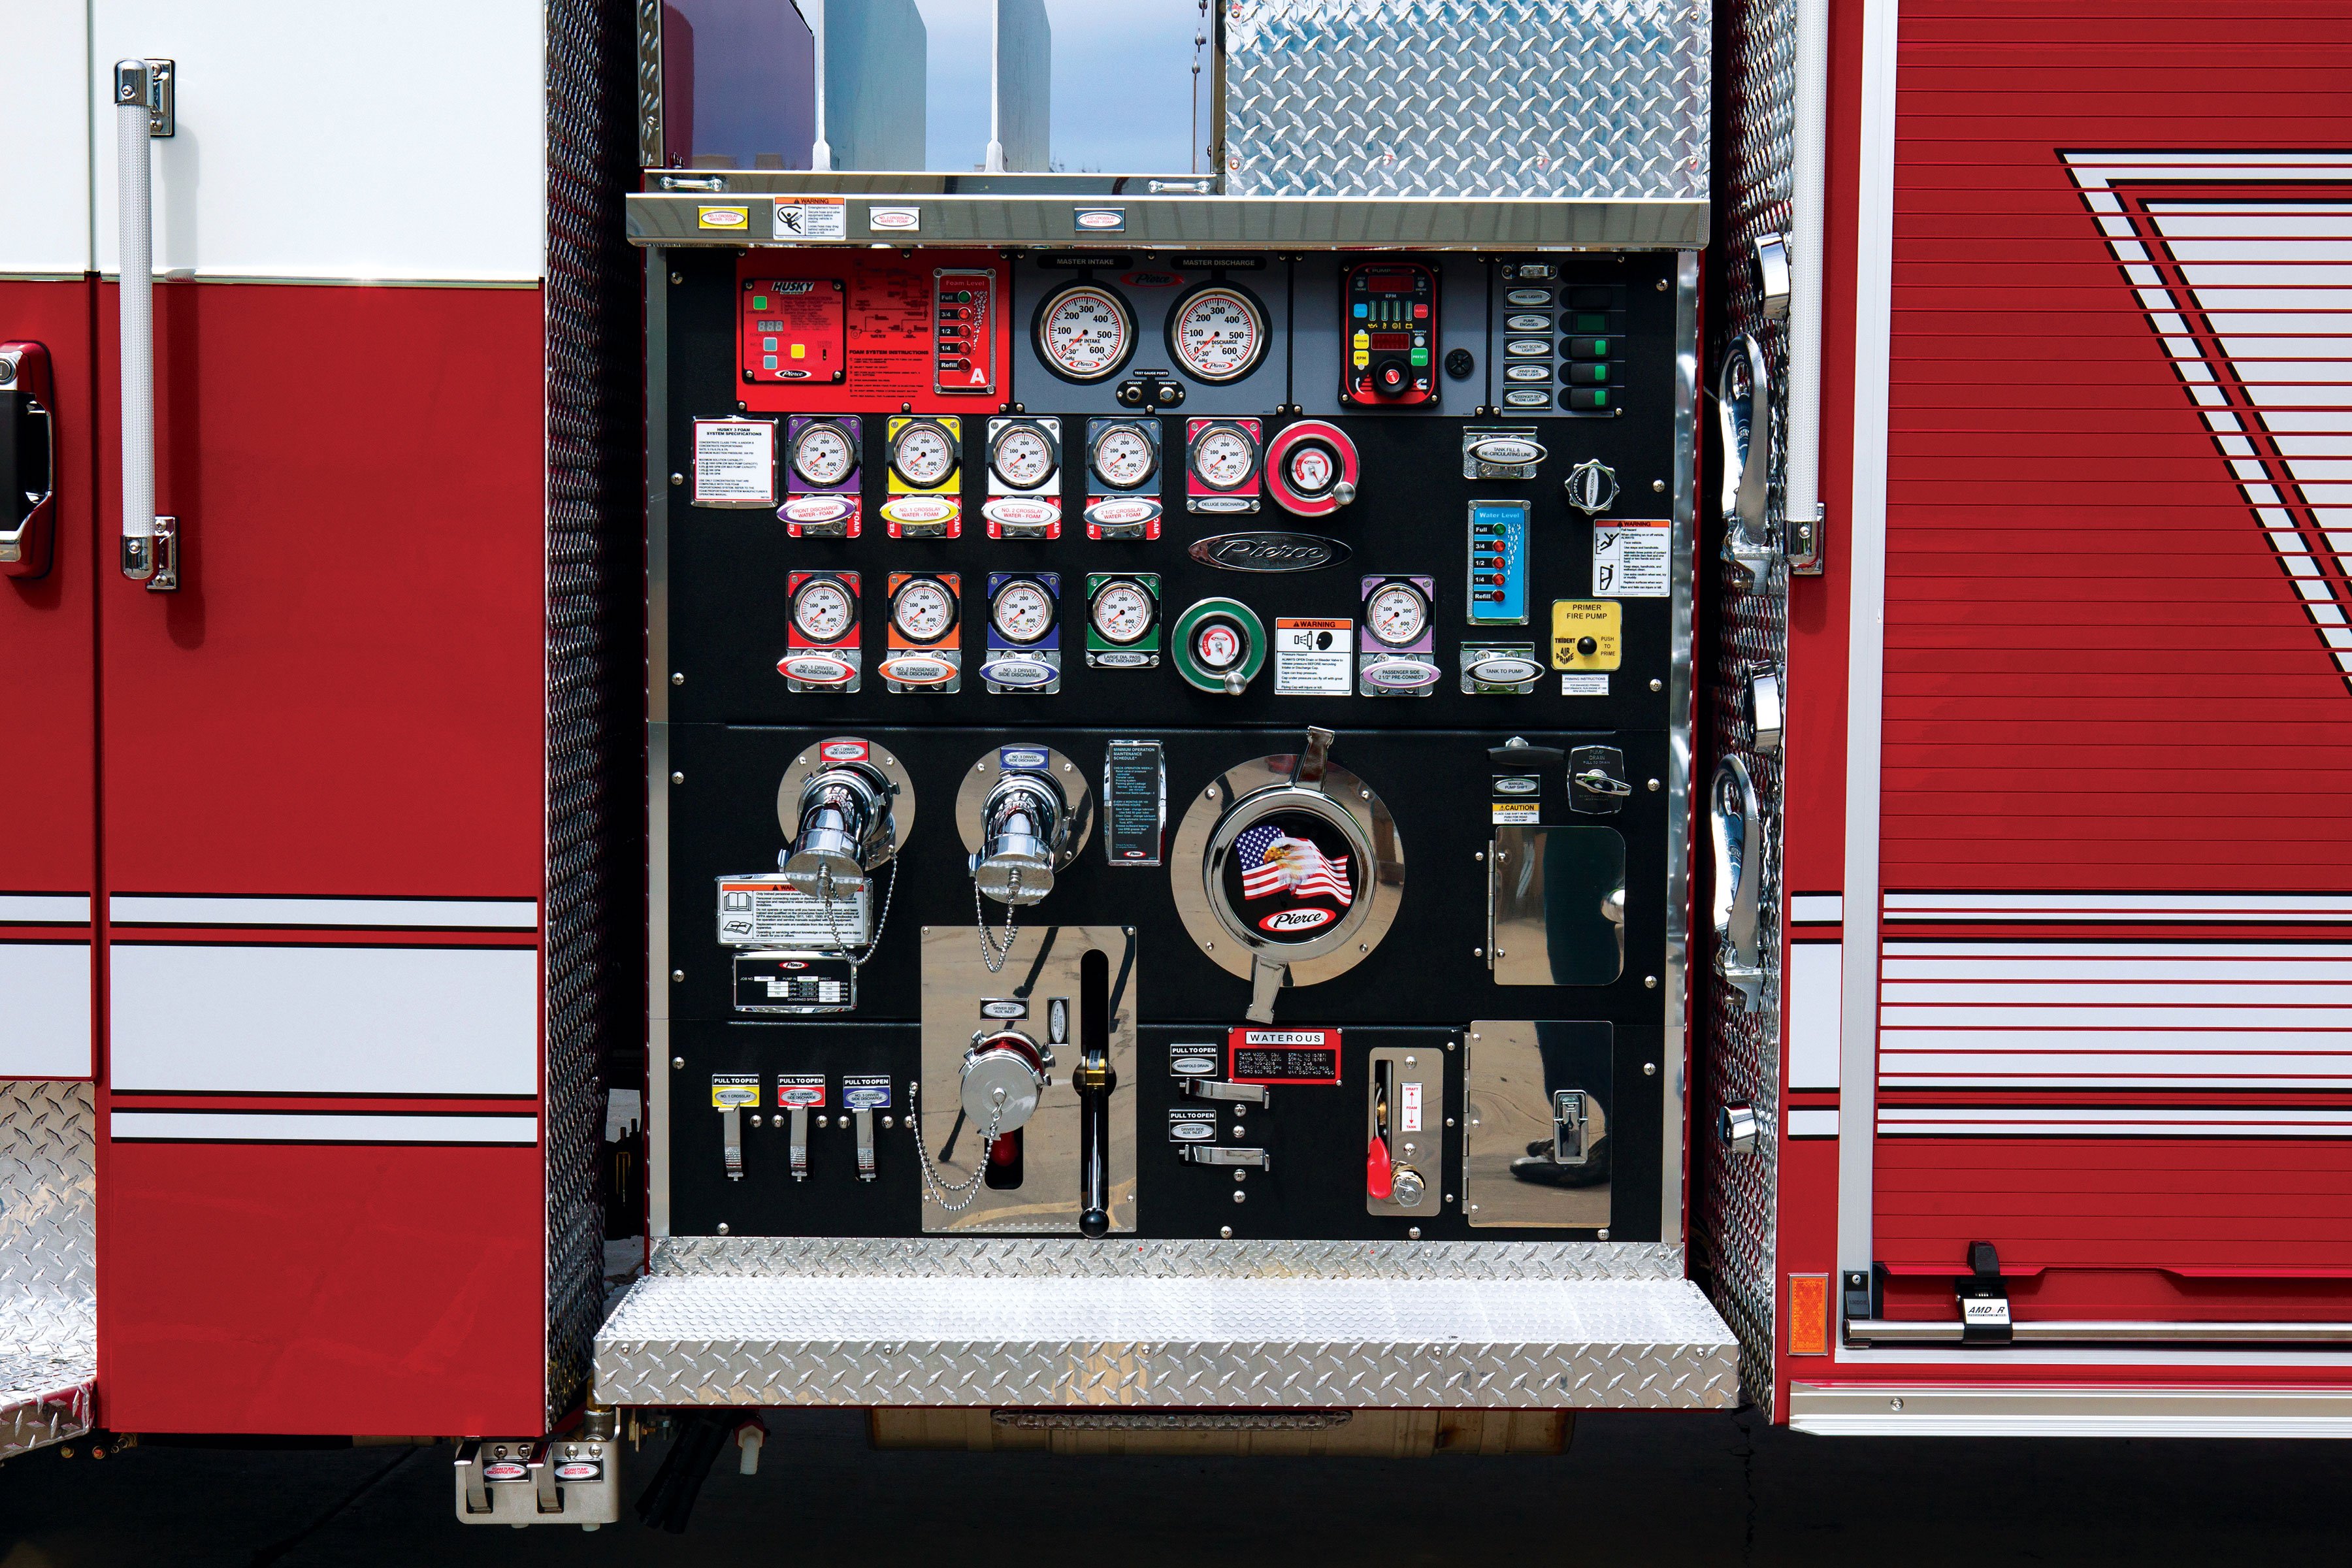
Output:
(923, 610)
(1023, 457)
(1085, 332)
(1123, 456)
(822, 611)
(1224, 456)
(1217, 334)
(1021, 611)
(1397, 613)
(923, 452)
(823, 455)
(1124, 611)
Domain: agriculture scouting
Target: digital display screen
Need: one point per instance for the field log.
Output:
(1389, 285)
(1392, 340)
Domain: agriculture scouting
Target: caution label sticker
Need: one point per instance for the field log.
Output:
(1631, 560)
(761, 911)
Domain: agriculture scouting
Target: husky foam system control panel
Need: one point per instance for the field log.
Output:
(1173, 745)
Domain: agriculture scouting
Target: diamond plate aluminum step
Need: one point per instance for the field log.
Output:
(1269, 1325)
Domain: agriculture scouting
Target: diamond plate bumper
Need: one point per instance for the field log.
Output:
(1362, 1338)
(44, 1399)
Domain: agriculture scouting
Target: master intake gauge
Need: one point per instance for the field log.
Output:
(1023, 455)
(1217, 334)
(923, 610)
(1085, 332)
(923, 452)
(823, 610)
(1021, 611)
(823, 454)
(1124, 454)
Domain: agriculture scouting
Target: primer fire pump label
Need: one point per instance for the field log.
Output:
(761, 911)
(1283, 1056)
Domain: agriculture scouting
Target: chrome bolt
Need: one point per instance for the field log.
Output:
(722, 1227)
(1413, 1234)
(888, 1124)
(676, 975)
(677, 778)
(1226, 1231)
(1604, 1234)
(1655, 787)
(1648, 983)
(677, 479)
(677, 1061)
(1240, 1196)
(1649, 1069)
(678, 677)
(675, 277)
(1659, 485)
(1657, 686)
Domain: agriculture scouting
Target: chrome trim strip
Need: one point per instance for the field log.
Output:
(1866, 648)
(317, 1127)
(2051, 1331)
(658, 947)
(1672, 1221)
(2062, 1411)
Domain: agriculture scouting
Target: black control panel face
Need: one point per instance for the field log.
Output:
(1199, 764)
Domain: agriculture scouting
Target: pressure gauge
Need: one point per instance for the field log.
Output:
(1224, 456)
(822, 611)
(1397, 613)
(923, 452)
(823, 455)
(1217, 334)
(1085, 332)
(1312, 469)
(1021, 611)
(1123, 610)
(923, 610)
(1023, 457)
(1218, 646)
(1123, 456)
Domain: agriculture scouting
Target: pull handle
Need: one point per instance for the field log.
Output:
(28, 466)
(143, 111)
(1094, 1079)
(1743, 407)
(1737, 818)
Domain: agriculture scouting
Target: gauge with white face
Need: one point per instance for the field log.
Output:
(1022, 456)
(1023, 612)
(1086, 331)
(1311, 468)
(821, 454)
(1218, 646)
(1122, 611)
(1217, 334)
(823, 610)
(922, 610)
(1397, 613)
(1123, 456)
(1224, 457)
(923, 454)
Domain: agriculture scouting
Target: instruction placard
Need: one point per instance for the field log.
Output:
(761, 911)
(1314, 657)
(1633, 559)
(812, 217)
(735, 462)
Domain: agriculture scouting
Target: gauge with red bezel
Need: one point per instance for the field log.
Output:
(1311, 467)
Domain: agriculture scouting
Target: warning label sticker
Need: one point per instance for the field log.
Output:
(1631, 560)
(1314, 657)
(761, 911)
(812, 217)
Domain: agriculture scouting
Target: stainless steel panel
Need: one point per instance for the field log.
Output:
(1558, 905)
(1414, 1084)
(1506, 98)
(1166, 1341)
(1062, 1258)
(1510, 1096)
(1163, 222)
(48, 1250)
(1043, 964)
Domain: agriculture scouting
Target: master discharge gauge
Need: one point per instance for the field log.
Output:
(1021, 611)
(823, 610)
(923, 452)
(1217, 334)
(1123, 454)
(923, 610)
(1085, 332)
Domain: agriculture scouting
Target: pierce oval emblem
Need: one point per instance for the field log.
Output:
(1269, 552)
(1504, 671)
(1510, 450)
(816, 670)
(817, 509)
(1297, 919)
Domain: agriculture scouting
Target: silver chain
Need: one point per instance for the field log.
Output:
(956, 1199)
(990, 953)
(841, 944)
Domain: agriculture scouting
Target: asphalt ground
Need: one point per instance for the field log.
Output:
(1653, 1490)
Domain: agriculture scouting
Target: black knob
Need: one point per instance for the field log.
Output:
(1391, 377)
(1459, 362)
(1587, 645)
(1094, 1225)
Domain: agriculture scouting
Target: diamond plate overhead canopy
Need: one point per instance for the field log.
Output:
(1467, 98)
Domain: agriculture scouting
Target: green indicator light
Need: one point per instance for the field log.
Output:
(1592, 323)
(758, 302)
(1601, 372)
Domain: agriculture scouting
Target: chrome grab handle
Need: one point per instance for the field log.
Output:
(142, 92)
(1736, 815)
(1744, 410)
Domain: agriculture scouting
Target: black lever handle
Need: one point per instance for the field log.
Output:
(1095, 1080)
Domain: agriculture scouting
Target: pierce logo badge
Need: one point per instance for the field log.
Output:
(1269, 552)
(1286, 921)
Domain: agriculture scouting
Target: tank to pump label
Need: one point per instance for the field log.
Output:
(1314, 657)
(761, 911)
(1633, 559)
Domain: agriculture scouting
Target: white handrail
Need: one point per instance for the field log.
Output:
(133, 127)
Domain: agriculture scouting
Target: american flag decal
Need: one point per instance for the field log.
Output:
(2242, 262)
(1273, 862)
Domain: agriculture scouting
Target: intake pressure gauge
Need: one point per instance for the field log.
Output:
(1123, 454)
(1085, 332)
(1223, 457)
(1397, 613)
(1123, 610)
(822, 611)
(923, 610)
(1021, 611)
(821, 454)
(1023, 457)
(923, 452)
(1217, 334)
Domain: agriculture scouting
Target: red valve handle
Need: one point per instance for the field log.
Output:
(1376, 1168)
